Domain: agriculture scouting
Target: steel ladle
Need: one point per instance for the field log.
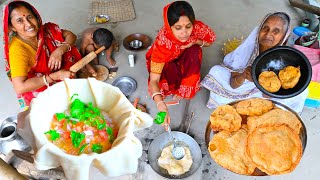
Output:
(178, 151)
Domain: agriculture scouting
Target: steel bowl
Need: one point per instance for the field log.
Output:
(136, 42)
(277, 58)
(303, 132)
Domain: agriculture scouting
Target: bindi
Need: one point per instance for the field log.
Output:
(23, 15)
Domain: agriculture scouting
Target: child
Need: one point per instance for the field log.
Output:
(94, 38)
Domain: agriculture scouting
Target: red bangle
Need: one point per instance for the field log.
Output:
(51, 78)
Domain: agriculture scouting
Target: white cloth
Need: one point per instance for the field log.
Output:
(218, 78)
(121, 159)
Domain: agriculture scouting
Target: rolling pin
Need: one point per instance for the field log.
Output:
(85, 60)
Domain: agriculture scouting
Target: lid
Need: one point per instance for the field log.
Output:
(300, 31)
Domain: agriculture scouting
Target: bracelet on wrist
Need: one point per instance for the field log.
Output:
(51, 78)
(64, 43)
(159, 103)
(202, 43)
(45, 80)
(155, 94)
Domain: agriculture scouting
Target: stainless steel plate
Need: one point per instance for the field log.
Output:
(303, 132)
(163, 141)
(100, 19)
(127, 85)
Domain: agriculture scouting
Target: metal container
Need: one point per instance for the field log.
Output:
(136, 44)
(9, 138)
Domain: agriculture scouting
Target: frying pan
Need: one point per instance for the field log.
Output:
(278, 58)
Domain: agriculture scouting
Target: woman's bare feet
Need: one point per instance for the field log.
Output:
(177, 97)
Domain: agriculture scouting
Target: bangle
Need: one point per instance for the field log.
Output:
(155, 94)
(202, 43)
(45, 80)
(159, 103)
(62, 43)
(50, 77)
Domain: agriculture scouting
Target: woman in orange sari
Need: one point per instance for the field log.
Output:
(175, 58)
(36, 55)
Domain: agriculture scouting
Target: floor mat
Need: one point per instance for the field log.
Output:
(117, 10)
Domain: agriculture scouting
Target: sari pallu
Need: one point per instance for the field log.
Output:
(49, 38)
(179, 76)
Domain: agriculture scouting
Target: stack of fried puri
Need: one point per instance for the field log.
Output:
(255, 134)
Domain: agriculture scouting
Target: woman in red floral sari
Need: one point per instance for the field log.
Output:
(36, 55)
(175, 58)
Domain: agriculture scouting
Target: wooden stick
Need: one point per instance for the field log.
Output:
(304, 6)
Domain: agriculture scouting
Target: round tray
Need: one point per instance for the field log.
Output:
(163, 141)
(303, 132)
(127, 85)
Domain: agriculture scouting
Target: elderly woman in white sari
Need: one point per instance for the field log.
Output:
(232, 79)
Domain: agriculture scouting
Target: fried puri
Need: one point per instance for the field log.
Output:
(225, 118)
(269, 81)
(289, 76)
(274, 149)
(254, 107)
(275, 117)
(228, 149)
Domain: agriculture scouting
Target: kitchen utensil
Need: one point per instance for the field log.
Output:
(102, 73)
(303, 131)
(118, 108)
(8, 172)
(183, 139)
(177, 150)
(23, 155)
(278, 58)
(136, 42)
(100, 19)
(85, 60)
(127, 85)
(9, 138)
